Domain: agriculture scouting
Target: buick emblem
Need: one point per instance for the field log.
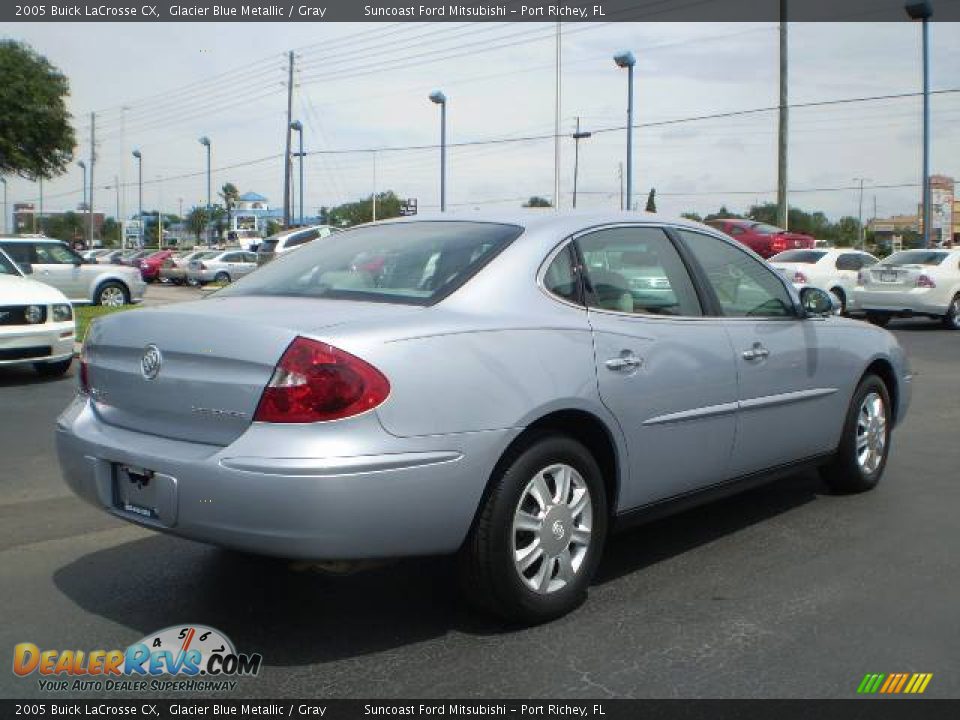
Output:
(558, 530)
(150, 362)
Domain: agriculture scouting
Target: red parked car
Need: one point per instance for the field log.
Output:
(765, 240)
(150, 265)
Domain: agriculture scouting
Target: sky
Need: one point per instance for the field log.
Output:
(158, 87)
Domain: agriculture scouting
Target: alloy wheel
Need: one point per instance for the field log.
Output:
(871, 433)
(552, 528)
(112, 297)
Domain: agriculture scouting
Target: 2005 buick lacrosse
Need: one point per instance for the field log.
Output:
(507, 387)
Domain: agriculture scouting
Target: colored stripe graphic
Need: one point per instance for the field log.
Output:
(894, 683)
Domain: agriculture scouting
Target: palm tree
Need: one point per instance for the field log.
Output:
(230, 195)
(197, 221)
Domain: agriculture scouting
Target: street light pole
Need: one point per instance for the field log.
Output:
(577, 137)
(205, 141)
(4, 181)
(140, 234)
(440, 99)
(923, 11)
(298, 126)
(627, 60)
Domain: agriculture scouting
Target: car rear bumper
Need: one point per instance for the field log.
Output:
(36, 343)
(919, 301)
(389, 497)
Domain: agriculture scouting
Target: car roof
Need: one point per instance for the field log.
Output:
(29, 238)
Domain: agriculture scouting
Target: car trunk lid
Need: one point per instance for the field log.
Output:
(215, 358)
(893, 277)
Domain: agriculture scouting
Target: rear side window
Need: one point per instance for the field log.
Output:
(637, 270)
(561, 278)
(415, 263)
(850, 261)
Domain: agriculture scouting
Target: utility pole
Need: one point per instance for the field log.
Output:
(860, 213)
(4, 181)
(577, 137)
(782, 202)
(287, 168)
(93, 161)
(374, 186)
(556, 131)
(116, 184)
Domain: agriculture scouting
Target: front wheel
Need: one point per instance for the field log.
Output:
(112, 294)
(951, 320)
(537, 542)
(841, 296)
(862, 454)
(879, 319)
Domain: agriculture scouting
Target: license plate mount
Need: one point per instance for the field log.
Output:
(144, 494)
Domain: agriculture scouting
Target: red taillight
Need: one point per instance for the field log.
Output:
(925, 281)
(315, 381)
(799, 278)
(778, 244)
(83, 374)
(202, 266)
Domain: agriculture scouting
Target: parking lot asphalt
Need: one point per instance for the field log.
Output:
(784, 591)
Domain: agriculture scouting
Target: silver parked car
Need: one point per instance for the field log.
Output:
(221, 266)
(507, 387)
(84, 282)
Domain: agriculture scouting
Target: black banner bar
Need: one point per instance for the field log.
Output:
(462, 10)
(855, 709)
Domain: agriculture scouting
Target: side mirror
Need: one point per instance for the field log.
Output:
(26, 268)
(817, 302)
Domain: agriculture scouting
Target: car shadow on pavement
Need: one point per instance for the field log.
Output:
(297, 617)
(20, 375)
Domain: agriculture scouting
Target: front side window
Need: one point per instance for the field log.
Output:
(637, 270)
(55, 254)
(743, 286)
(414, 263)
(20, 253)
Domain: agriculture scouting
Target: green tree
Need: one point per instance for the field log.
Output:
(357, 213)
(723, 212)
(848, 231)
(230, 195)
(652, 201)
(110, 232)
(273, 227)
(692, 216)
(197, 220)
(68, 226)
(36, 139)
(537, 202)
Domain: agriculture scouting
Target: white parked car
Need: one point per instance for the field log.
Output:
(280, 243)
(835, 270)
(913, 282)
(84, 282)
(36, 322)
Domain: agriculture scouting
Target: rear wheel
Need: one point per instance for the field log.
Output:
(535, 546)
(951, 320)
(221, 277)
(52, 369)
(862, 454)
(112, 294)
(880, 319)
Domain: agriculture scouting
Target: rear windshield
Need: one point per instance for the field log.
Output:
(765, 229)
(916, 257)
(270, 243)
(416, 263)
(798, 256)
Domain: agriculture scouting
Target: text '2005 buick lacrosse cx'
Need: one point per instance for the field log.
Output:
(506, 387)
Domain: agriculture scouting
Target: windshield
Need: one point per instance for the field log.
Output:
(766, 229)
(412, 263)
(6, 266)
(798, 256)
(915, 257)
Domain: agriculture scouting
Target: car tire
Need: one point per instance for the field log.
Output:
(565, 538)
(842, 297)
(856, 469)
(52, 369)
(112, 294)
(878, 319)
(221, 277)
(951, 320)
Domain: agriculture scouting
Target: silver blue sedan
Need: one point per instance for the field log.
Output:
(510, 388)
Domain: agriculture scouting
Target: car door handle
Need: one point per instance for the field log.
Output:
(757, 352)
(626, 361)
